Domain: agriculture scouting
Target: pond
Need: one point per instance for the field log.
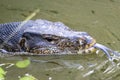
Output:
(100, 18)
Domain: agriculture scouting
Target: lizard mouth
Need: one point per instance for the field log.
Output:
(86, 45)
(96, 46)
(90, 46)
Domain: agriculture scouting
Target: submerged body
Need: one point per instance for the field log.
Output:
(46, 37)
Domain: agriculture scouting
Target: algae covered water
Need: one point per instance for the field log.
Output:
(100, 18)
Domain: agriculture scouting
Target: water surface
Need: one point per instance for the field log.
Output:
(100, 18)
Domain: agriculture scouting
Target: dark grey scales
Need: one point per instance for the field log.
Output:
(43, 37)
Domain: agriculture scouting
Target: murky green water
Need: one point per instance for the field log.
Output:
(100, 18)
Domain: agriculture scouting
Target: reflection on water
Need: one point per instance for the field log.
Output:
(88, 67)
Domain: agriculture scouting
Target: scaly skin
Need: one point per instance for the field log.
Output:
(46, 37)
(43, 37)
(51, 44)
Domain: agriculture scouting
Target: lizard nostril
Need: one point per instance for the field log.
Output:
(81, 42)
